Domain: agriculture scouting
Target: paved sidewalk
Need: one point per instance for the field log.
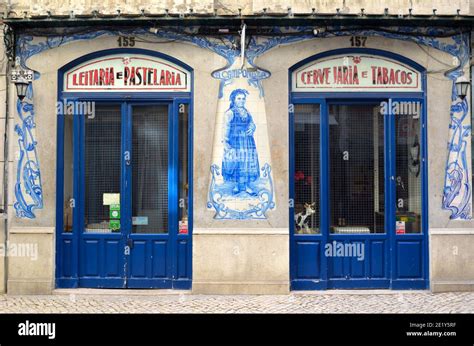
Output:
(109, 301)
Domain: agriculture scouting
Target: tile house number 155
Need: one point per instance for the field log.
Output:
(126, 41)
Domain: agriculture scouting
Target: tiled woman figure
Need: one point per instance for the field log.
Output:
(240, 162)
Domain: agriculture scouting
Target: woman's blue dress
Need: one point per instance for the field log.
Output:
(240, 161)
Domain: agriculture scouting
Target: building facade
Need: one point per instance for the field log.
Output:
(251, 148)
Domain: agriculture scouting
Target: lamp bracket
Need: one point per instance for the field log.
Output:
(9, 42)
(21, 75)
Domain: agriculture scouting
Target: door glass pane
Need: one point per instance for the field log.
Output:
(183, 170)
(408, 168)
(306, 179)
(102, 167)
(150, 169)
(356, 140)
(68, 173)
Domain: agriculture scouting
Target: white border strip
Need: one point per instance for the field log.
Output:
(32, 230)
(451, 231)
(241, 231)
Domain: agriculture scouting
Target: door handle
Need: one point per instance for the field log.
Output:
(126, 157)
(130, 243)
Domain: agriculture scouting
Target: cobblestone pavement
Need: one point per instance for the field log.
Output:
(334, 302)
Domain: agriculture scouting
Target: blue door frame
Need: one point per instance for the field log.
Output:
(396, 261)
(176, 253)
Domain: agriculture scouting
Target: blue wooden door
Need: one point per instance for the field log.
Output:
(308, 188)
(409, 223)
(150, 195)
(358, 217)
(358, 247)
(99, 188)
(129, 160)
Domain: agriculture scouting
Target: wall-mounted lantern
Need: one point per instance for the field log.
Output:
(462, 85)
(22, 78)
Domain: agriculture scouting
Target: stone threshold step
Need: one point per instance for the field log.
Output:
(360, 292)
(118, 291)
(156, 292)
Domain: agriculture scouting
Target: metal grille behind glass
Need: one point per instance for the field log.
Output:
(408, 170)
(356, 141)
(150, 169)
(102, 165)
(183, 222)
(68, 173)
(306, 179)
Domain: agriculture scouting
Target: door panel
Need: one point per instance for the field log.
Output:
(409, 259)
(159, 262)
(183, 245)
(92, 249)
(112, 256)
(378, 259)
(307, 255)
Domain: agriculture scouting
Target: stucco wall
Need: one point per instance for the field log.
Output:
(452, 258)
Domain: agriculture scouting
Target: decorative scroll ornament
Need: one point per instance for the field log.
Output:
(457, 192)
(255, 210)
(28, 187)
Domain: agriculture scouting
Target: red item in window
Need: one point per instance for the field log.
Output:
(183, 228)
(299, 175)
(400, 227)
